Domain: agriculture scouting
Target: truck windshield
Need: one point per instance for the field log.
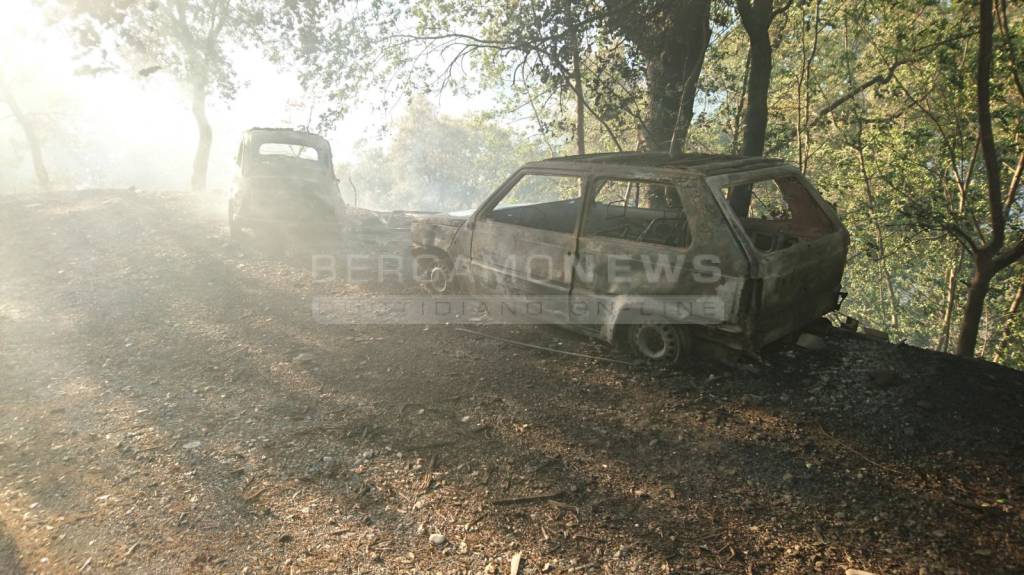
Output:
(297, 151)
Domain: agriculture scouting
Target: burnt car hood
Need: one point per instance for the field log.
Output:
(437, 230)
(447, 219)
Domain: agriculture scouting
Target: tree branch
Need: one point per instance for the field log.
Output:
(878, 79)
(1011, 46)
(1015, 183)
(782, 9)
(1010, 256)
(989, 154)
(966, 240)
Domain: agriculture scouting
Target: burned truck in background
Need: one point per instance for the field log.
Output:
(285, 186)
(633, 229)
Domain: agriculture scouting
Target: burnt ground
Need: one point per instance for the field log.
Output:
(168, 405)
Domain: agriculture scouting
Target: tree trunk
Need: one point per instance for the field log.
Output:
(882, 254)
(983, 258)
(663, 88)
(952, 275)
(1009, 323)
(741, 109)
(201, 163)
(673, 38)
(35, 148)
(986, 137)
(975, 305)
(672, 89)
(577, 86)
(759, 83)
(684, 114)
(756, 21)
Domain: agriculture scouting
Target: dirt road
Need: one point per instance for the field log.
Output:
(168, 405)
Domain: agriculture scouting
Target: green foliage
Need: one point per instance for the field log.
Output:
(184, 38)
(436, 162)
(876, 101)
(537, 54)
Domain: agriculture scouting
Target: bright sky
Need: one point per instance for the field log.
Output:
(146, 126)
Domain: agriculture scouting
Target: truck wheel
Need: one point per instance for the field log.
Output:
(659, 343)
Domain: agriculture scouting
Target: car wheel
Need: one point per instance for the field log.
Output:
(439, 279)
(659, 342)
(436, 275)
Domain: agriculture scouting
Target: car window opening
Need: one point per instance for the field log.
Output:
(642, 211)
(782, 213)
(277, 150)
(542, 202)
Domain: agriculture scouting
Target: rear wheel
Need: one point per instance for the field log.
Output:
(436, 274)
(658, 342)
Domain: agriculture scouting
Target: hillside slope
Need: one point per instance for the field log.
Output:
(168, 405)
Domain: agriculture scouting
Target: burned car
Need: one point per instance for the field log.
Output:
(646, 250)
(285, 186)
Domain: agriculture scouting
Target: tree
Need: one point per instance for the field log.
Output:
(185, 38)
(28, 127)
(435, 162)
(672, 38)
(756, 17)
(18, 40)
(876, 101)
(984, 219)
(990, 257)
(421, 47)
(873, 99)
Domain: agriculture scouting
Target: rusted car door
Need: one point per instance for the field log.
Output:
(797, 246)
(523, 241)
(653, 241)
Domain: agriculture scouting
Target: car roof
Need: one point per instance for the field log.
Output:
(697, 164)
(289, 133)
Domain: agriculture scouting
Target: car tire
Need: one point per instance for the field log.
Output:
(437, 276)
(658, 342)
(440, 279)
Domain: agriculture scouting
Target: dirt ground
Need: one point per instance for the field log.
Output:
(169, 405)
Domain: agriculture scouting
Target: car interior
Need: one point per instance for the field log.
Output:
(632, 210)
(649, 212)
(782, 214)
(558, 216)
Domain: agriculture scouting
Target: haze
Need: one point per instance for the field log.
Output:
(511, 287)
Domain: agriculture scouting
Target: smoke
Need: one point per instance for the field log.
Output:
(101, 127)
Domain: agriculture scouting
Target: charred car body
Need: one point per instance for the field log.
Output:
(285, 184)
(629, 230)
